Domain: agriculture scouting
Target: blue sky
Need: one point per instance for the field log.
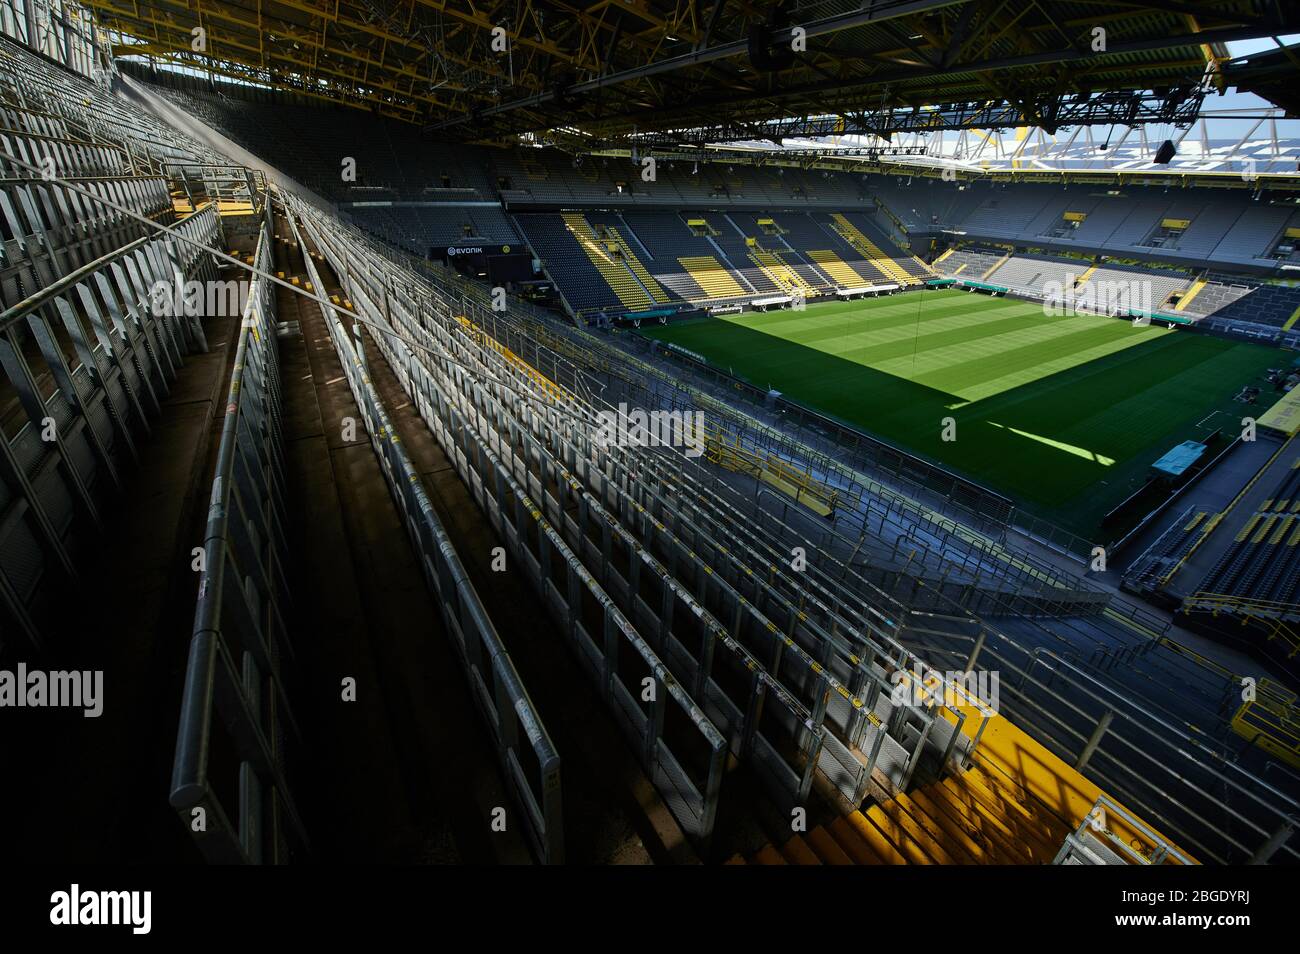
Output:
(1235, 100)
(1242, 47)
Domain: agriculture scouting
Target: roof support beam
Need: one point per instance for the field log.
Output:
(877, 13)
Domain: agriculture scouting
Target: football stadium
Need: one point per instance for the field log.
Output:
(807, 433)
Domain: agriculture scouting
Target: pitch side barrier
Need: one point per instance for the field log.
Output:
(620, 555)
(529, 760)
(970, 502)
(237, 730)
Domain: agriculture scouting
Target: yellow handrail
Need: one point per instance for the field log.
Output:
(1267, 613)
(726, 451)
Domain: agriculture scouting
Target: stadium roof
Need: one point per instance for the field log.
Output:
(614, 69)
(1246, 143)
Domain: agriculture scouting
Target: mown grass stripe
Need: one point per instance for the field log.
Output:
(1040, 403)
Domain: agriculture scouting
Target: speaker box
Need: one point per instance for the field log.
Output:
(1165, 152)
(766, 56)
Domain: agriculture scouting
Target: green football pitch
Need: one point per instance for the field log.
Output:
(1063, 414)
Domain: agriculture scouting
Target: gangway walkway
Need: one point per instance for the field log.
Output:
(388, 750)
(121, 619)
(604, 820)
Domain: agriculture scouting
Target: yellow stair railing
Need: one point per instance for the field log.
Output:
(727, 452)
(1267, 614)
(1271, 721)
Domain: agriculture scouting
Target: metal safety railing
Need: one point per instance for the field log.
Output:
(1269, 718)
(1094, 843)
(228, 188)
(87, 357)
(1274, 620)
(230, 775)
(1114, 745)
(1171, 781)
(528, 757)
(776, 685)
(679, 747)
(1218, 809)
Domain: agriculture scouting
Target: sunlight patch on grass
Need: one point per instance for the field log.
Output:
(1059, 445)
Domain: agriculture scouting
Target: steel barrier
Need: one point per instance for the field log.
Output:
(621, 536)
(237, 731)
(533, 776)
(1216, 808)
(681, 750)
(87, 357)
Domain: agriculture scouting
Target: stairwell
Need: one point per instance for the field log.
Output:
(725, 261)
(1192, 292)
(1015, 804)
(996, 265)
(872, 252)
(630, 259)
(968, 819)
(714, 280)
(779, 272)
(616, 274)
(839, 271)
